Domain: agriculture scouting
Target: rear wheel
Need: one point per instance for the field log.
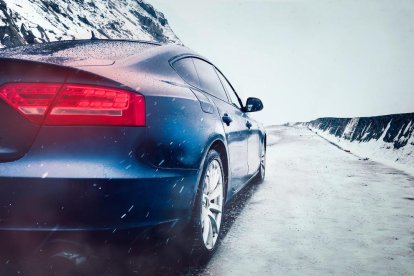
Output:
(208, 210)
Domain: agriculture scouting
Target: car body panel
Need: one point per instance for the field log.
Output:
(16, 132)
(105, 177)
(255, 144)
(237, 143)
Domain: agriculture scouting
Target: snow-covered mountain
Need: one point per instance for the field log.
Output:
(34, 21)
(388, 139)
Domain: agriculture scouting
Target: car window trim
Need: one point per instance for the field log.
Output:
(183, 56)
(214, 68)
(174, 60)
(232, 88)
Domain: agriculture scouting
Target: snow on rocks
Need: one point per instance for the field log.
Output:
(387, 139)
(35, 21)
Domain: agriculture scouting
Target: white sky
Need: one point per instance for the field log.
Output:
(306, 59)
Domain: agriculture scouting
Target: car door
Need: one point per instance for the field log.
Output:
(252, 127)
(233, 123)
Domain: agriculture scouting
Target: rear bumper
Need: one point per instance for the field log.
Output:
(96, 204)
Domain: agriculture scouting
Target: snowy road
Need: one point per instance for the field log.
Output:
(321, 211)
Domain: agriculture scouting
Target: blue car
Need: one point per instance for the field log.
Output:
(111, 135)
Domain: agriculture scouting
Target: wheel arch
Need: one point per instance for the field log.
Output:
(219, 145)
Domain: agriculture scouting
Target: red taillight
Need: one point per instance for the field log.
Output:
(31, 100)
(93, 105)
(70, 104)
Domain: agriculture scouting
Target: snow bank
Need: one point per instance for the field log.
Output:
(387, 139)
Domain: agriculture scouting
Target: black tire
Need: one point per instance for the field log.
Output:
(197, 248)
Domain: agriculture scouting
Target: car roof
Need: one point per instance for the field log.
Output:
(129, 63)
(92, 52)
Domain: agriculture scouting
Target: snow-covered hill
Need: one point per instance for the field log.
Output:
(388, 139)
(34, 21)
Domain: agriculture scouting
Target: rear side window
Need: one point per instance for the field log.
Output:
(185, 68)
(209, 81)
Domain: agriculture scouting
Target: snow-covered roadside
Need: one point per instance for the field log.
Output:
(273, 135)
(375, 149)
(321, 211)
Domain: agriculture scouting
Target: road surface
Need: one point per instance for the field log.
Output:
(321, 211)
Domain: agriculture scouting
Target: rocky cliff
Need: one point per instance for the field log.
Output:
(389, 138)
(35, 21)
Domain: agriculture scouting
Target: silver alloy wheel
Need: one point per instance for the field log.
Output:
(212, 204)
(263, 165)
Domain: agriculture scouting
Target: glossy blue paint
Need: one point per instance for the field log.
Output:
(81, 178)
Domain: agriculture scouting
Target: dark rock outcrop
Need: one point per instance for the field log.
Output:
(388, 139)
(395, 129)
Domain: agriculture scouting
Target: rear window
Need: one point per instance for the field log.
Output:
(209, 81)
(185, 68)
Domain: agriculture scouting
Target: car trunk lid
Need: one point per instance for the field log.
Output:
(77, 54)
(16, 132)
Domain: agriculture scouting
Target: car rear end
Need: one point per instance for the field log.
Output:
(74, 155)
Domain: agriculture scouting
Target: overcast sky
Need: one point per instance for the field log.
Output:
(306, 59)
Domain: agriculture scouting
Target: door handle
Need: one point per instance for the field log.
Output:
(227, 119)
(248, 124)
